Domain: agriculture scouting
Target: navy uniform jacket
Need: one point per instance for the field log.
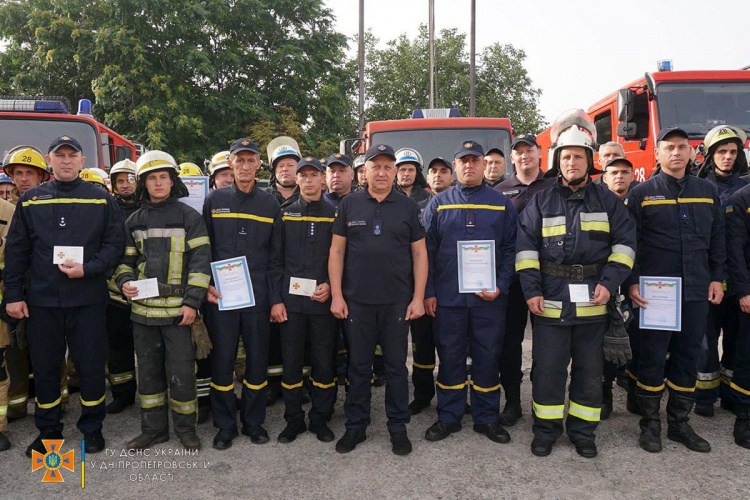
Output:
(585, 227)
(301, 244)
(461, 214)
(240, 224)
(680, 232)
(738, 241)
(55, 213)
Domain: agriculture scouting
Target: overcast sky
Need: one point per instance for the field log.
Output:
(578, 51)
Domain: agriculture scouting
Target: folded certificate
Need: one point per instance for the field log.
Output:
(476, 266)
(146, 288)
(232, 279)
(70, 255)
(664, 308)
(302, 286)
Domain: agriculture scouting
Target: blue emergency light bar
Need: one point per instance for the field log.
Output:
(41, 104)
(436, 113)
(664, 65)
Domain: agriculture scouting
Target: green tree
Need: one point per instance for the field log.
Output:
(184, 76)
(398, 79)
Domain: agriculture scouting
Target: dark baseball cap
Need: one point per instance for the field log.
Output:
(309, 161)
(495, 150)
(65, 140)
(469, 148)
(340, 159)
(670, 131)
(529, 139)
(380, 149)
(440, 160)
(243, 144)
(619, 159)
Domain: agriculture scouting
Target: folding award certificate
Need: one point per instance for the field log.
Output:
(232, 280)
(476, 266)
(664, 308)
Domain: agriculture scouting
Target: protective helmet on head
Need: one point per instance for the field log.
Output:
(189, 169)
(219, 161)
(155, 160)
(122, 167)
(721, 135)
(359, 161)
(5, 179)
(284, 151)
(573, 128)
(28, 156)
(407, 155)
(91, 175)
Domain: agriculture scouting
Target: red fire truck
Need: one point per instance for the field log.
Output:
(695, 101)
(37, 121)
(433, 133)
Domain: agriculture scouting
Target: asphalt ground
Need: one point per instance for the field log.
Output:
(464, 466)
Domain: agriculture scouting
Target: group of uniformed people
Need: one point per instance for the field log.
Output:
(385, 261)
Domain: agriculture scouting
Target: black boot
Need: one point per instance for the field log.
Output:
(606, 400)
(650, 439)
(4, 442)
(678, 429)
(704, 409)
(512, 411)
(38, 445)
(631, 404)
(742, 425)
(119, 404)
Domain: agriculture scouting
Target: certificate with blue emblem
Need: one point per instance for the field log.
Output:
(232, 280)
(476, 266)
(664, 308)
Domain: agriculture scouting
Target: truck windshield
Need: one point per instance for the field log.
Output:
(432, 143)
(699, 107)
(16, 131)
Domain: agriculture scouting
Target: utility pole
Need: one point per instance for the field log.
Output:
(432, 52)
(361, 64)
(473, 72)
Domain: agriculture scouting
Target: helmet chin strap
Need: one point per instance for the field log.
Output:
(126, 197)
(577, 181)
(727, 172)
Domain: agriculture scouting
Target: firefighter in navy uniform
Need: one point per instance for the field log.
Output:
(240, 222)
(121, 350)
(573, 237)
(738, 252)
(301, 243)
(473, 322)
(283, 187)
(64, 302)
(723, 166)
(527, 180)
(680, 234)
(166, 240)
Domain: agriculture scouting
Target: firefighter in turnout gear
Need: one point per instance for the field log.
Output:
(680, 234)
(166, 240)
(723, 166)
(301, 242)
(6, 214)
(121, 360)
(575, 246)
(65, 303)
(240, 222)
(27, 168)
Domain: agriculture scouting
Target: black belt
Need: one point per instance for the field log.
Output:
(575, 272)
(166, 290)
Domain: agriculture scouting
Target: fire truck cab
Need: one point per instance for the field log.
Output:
(37, 121)
(433, 133)
(695, 101)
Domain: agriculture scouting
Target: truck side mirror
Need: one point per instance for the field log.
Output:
(626, 130)
(625, 104)
(350, 147)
